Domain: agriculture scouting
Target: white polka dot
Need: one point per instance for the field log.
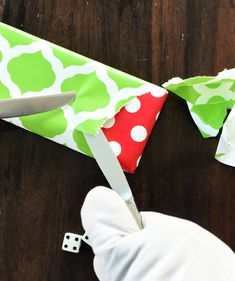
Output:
(116, 147)
(138, 133)
(109, 123)
(158, 92)
(133, 106)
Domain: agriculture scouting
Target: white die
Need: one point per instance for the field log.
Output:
(71, 242)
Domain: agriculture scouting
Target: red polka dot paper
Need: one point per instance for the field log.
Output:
(129, 130)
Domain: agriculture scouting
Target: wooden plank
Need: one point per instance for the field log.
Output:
(43, 185)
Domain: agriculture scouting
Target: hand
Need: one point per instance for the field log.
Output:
(167, 249)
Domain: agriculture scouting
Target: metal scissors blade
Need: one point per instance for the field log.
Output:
(112, 170)
(16, 107)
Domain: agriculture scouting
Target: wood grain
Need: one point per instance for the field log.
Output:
(43, 185)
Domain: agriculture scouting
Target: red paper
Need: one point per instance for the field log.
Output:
(129, 130)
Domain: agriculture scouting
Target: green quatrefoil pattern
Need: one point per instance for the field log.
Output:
(32, 66)
(209, 99)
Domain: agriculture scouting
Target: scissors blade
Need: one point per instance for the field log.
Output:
(112, 170)
(16, 107)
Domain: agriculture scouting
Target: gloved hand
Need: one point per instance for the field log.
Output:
(167, 249)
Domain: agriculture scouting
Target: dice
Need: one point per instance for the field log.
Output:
(71, 242)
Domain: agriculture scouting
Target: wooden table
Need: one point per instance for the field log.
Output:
(43, 185)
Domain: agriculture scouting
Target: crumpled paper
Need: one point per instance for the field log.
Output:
(209, 100)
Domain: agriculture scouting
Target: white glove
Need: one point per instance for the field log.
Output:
(167, 249)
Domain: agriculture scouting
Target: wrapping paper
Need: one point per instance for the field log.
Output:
(130, 129)
(209, 99)
(31, 66)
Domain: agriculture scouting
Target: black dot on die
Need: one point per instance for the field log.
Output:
(66, 246)
(74, 248)
(76, 239)
(67, 237)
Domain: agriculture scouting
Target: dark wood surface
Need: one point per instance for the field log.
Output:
(43, 185)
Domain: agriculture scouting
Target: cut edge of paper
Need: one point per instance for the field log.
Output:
(205, 129)
(175, 80)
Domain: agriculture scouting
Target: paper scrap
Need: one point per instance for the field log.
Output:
(208, 97)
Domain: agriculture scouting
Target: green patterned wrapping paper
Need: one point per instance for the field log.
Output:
(31, 66)
(209, 98)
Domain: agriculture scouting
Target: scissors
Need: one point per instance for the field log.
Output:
(22, 106)
(98, 144)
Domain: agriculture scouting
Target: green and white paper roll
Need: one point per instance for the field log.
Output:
(31, 66)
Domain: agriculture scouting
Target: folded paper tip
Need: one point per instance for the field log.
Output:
(226, 74)
(175, 80)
